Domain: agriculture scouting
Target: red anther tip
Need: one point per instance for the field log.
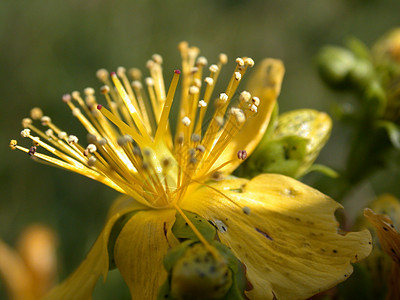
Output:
(113, 73)
(99, 106)
(177, 71)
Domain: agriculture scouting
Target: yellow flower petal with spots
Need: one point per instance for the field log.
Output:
(284, 232)
(140, 250)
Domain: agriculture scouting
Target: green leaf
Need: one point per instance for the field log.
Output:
(324, 170)
(182, 230)
(393, 132)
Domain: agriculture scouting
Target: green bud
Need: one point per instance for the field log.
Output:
(362, 73)
(335, 64)
(375, 97)
(198, 275)
(293, 146)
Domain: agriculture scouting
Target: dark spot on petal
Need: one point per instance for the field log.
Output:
(394, 252)
(264, 234)
(384, 228)
(391, 225)
(323, 250)
(334, 251)
(212, 269)
(298, 219)
(310, 222)
(186, 224)
(369, 243)
(345, 275)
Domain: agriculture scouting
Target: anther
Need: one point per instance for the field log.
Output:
(253, 108)
(223, 97)
(180, 138)
(121, 71)
(13, 144)
(238, 76)
(214, 68)
(244, 97)
(137, 85)
(201, 148)
(223, 58)
(186, 121)
(137, 152)
(194, 90)
(72, 139)
(197, 82)
(195, 137)
(66, 98)
(209, 80)
(26, 122)
(219, 120)
(91, 161)
(202, 61)
(105, 89)
(157, 58)
(128, 138)
(177, 71)
(91, 148)
(102, 142)
(135, 73)
(36, 113)
(256, 101)
(249, 61)
(149, 81)
(45, 120)
(99, 106)
(102, 74)
(166, 163)
(202, 103)
(62, 135)
(121, 141)
(239, 115)
(75, 95)
(149, 64)
(240, 62)
(25, 133)
(49, 132)
(89, 91)
(242, 154)
(146, 152)
(32, 150)
(194, 70)
(91, 138)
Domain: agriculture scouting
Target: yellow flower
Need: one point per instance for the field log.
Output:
(284, 232)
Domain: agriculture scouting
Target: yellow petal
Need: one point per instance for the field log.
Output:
(80, 284)
(264, 83)
(284, 232)
(140, 249)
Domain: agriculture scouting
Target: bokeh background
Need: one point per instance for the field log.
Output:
(50, 47)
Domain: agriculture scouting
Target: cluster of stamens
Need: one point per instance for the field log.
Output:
(131, 147)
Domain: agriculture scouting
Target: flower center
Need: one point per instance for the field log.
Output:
(131, 146)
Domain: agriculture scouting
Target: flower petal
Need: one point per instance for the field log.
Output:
(140, 250)
(284, 232)
(80, 284)
(264, 83)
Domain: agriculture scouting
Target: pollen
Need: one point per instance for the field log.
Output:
(130, 145)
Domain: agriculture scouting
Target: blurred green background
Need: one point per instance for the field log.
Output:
(48, 48)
